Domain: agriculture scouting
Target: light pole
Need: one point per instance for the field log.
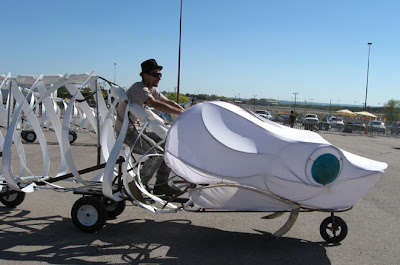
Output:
(115, 71)
(295, 96)
(254, 102)
(179, 55)
(366, 87)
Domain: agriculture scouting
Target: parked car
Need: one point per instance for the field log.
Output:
(336, 122)
(324, 125)
(395, 128)
(284, 119)
(311, 121)
(354, 126)
(376, 126)
(264, 114)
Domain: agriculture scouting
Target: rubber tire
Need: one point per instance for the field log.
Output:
(29, 136)
(89, 214)
(113, 208)
(72, 137)
(13, 200)
(332, 236)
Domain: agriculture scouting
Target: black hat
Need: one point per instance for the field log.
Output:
(149, 65)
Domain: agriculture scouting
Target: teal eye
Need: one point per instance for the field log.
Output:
(325, 169)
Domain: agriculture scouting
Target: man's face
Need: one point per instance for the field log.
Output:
(152, 78)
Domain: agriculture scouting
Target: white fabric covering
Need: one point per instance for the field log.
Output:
(77, 78)
(51, 79)
(218, 143)
(26, 79)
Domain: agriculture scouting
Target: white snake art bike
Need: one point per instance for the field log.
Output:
(224, 158)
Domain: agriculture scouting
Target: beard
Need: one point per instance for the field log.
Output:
(150, 84)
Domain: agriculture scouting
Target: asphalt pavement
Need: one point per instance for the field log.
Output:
(40, 230)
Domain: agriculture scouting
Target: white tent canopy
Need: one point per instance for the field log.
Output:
(366, 114)
(346, 112)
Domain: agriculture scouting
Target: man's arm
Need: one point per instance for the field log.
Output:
(166, 105)
(171, 103)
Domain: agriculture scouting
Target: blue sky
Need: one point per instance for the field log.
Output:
(240, 48)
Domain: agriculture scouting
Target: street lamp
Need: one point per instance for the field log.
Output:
(179, 55)
(366, 87)
(115, 70)
(294, 107)
(254, 102)
(305, 106)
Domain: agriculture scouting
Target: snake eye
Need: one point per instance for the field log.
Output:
(325, 169)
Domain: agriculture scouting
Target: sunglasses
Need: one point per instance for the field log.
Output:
(155, 75)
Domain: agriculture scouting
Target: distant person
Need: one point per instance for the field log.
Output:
(146, 93)
(292, 119)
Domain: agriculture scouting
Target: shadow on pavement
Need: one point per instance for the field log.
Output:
(54, 240)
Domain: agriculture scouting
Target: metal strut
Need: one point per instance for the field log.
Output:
(288, 225)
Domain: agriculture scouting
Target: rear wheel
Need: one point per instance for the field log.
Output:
(29, 136)
(114, 208)
(72, 137)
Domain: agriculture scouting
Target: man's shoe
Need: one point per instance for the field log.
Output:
(166, 189)
(137, 194)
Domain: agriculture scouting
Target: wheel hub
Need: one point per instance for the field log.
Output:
(87, 215)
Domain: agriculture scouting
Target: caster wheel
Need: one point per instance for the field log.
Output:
(72, 136)
(89, 214)
(113, 208)
(333, 229)
(13, 199)
(29, 136)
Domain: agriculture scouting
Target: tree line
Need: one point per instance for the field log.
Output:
(390, 110)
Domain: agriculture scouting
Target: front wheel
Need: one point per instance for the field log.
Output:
(333, 229)
(89, 214)
(12, 200)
